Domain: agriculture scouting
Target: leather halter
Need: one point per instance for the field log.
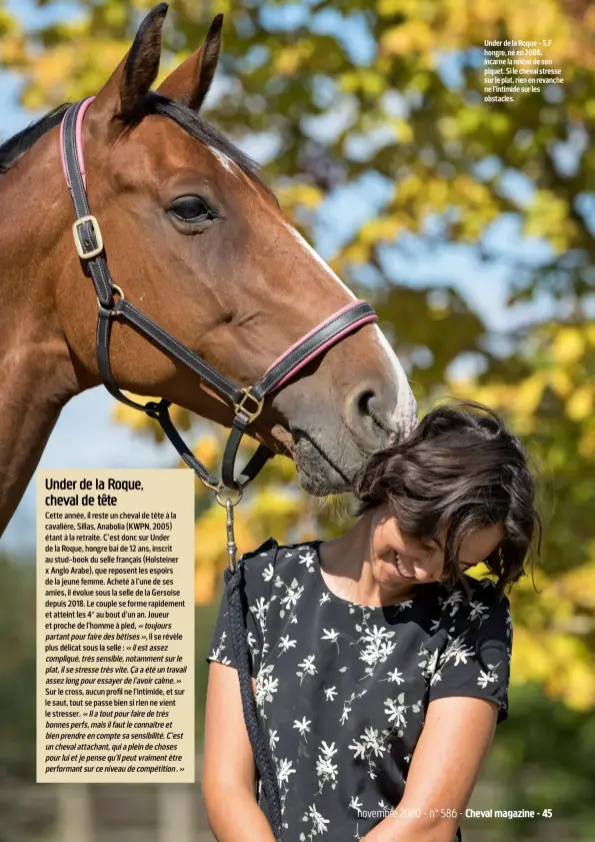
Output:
(247, 402)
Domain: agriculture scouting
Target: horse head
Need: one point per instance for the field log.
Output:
(196, 239)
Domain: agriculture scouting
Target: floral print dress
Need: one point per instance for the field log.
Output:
(342, 689)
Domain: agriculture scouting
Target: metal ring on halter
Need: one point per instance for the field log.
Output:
(118, 290)
(217, 488)
(223, 501)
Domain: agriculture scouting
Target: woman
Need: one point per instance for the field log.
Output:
(380, 669)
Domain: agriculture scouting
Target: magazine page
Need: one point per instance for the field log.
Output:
(297, 437)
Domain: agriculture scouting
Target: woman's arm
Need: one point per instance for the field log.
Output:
(446, 763)
(229, 773)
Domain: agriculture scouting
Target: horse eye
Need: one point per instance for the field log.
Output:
(192, 209)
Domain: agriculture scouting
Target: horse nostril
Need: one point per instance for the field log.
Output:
(371, 408)
(363, 402)
(368, 416)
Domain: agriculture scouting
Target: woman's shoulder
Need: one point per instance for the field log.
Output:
(487, 592)
(258, 565)
(271, 562)
(485, 608)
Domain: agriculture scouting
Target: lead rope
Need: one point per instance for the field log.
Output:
(264, 765)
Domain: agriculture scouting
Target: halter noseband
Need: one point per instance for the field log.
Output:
(247, 402)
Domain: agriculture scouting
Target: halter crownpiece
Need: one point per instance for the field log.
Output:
(247, 402)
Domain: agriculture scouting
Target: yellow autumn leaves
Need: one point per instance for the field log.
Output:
(437, 135)
(554, 404)
(561, 364)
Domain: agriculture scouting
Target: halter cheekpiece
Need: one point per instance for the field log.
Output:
(248, 401)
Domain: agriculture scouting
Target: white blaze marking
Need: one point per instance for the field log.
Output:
(307, 247)
(232, 167)
(224, 160)
(405, 414)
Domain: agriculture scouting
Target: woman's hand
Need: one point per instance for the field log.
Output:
(229, 773)
(454, 742)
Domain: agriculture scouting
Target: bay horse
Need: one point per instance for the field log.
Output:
(199, 242)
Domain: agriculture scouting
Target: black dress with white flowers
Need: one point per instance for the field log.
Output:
(342, 688)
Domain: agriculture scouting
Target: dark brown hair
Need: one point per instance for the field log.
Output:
(459, 470)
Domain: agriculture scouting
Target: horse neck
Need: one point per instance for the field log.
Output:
(36, 372)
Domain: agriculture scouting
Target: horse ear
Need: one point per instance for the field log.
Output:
(131, 81)
(190, 82)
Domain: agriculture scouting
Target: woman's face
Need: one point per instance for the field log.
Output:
(398, 560)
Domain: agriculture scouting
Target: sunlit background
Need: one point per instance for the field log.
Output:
(471, 228)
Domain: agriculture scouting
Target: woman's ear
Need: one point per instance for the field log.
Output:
(190, 82)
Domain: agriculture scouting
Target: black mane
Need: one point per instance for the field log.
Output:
(199, 129)
(12, 149)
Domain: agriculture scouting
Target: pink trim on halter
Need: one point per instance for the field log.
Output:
(372, 317)
(79, 141)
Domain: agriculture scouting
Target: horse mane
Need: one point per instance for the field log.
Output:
(12, 149)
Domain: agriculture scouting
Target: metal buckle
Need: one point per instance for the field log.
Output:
(241, 406)
(118, 290)
(87, 255)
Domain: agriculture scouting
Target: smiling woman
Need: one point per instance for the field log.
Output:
(380, 669)
(460, 490)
